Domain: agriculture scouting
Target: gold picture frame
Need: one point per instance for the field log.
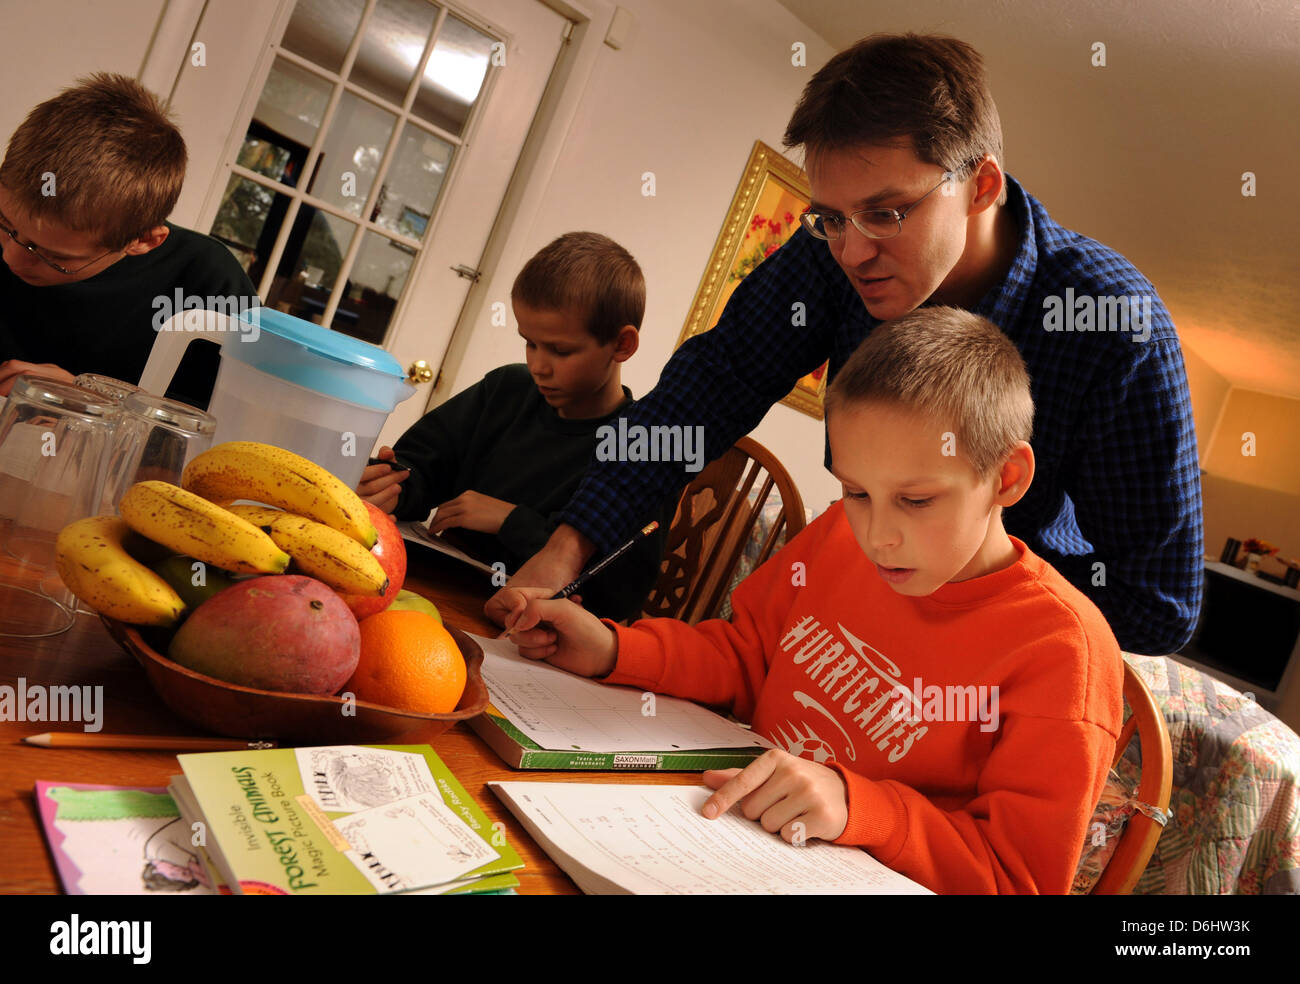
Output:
(764, 213)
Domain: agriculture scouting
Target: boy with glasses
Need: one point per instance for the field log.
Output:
(86, 186)
(911, 206)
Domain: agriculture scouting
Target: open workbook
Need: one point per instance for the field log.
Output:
(542, 717)
(648, 840)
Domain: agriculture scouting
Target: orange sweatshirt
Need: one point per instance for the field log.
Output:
(973, 727)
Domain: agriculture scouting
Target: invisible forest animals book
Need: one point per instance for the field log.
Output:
(342, 819)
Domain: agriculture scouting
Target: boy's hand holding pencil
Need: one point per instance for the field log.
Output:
(561, 632)
(381, 482)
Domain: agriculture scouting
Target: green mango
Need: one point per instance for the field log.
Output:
(409, 601)
(192, 579)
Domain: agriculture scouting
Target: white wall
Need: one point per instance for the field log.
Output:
(46, 46)
(685, 98)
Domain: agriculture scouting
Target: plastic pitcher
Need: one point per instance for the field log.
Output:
(289, 382)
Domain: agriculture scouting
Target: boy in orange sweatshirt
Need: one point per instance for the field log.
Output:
(943, 697)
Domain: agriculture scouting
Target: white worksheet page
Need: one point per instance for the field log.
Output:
(559, 710)
(653, 840)
(418, 533)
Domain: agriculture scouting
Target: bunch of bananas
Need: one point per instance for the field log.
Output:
(320, 523)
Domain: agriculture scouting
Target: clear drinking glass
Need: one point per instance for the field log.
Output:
(155, 439)
(54, 439)
(106, 385)
(117, 390)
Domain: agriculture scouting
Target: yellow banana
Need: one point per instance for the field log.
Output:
(264, 473)
(319, 551)
(191, 525)
(95, 566)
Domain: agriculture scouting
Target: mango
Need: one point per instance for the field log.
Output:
(288, 633)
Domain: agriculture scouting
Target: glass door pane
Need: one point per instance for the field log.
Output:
(350, 156)
(248, 222)
(454, 76)
(293, 102)
(310, 266)
(374, 285)
(413, 182)
(322, 30)
(394, 42)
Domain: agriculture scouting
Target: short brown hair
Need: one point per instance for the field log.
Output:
(589, 274)
(117, 158)
(888, 87)
(952, 366)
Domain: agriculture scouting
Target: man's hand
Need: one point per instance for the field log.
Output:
(779, 789)
(560, 632)
(552, 567)
(13, 368)
(472, 511)
(382, 484)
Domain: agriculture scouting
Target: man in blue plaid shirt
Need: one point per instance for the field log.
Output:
(911, 206)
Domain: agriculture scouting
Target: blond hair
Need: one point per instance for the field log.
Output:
(955, 368)
(590, 275)
(117, 159)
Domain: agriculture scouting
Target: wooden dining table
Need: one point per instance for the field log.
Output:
(85, 655)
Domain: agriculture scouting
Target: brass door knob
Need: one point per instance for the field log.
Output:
(420, 372)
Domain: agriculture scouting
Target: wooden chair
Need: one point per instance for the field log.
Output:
(1138, 841)
(715, 518)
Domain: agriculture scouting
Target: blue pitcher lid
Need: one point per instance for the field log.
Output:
(322, 341)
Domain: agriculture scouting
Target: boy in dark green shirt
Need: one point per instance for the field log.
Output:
(500, 459)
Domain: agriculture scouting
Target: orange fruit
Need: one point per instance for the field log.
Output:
(408, 661)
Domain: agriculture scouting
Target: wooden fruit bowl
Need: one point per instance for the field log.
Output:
(246, 712)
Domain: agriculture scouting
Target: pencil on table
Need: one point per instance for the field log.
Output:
(167, 743)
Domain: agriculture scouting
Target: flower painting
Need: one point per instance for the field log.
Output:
(764, 213)
(765, 237)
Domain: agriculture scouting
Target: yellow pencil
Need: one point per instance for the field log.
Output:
(169, 743)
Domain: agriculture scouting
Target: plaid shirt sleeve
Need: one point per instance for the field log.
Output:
(777, 327)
